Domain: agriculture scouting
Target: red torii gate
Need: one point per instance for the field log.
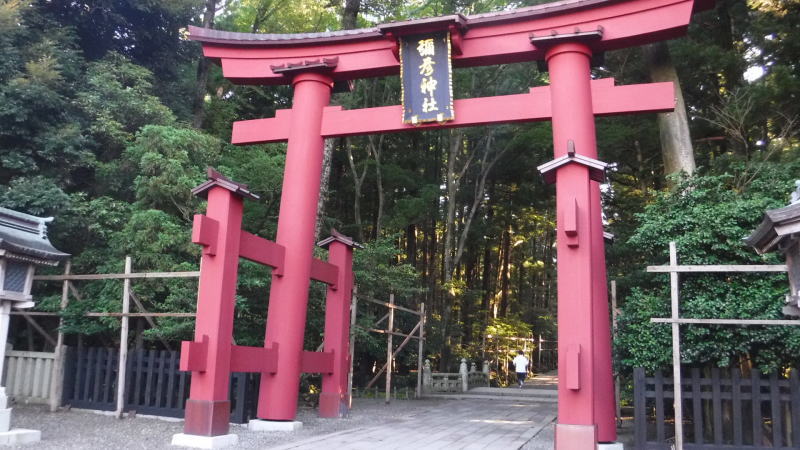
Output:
(567, 35)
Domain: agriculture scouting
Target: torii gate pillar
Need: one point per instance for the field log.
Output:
(585, 394)
(288, 297)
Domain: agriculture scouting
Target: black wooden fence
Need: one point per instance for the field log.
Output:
(721, 410)
(153, 384)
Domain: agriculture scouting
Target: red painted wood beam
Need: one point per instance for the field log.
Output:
(486, 42)
(262, 251)
(317, 362)
(194, 355)
(533, 106)
(204, 232)
(325, 272)
(254, 359)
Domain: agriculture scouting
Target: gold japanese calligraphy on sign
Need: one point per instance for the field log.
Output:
(426, 76)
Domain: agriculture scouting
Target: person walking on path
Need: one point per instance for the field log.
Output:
(521, 367)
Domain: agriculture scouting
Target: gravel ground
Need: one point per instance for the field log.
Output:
(89, 430)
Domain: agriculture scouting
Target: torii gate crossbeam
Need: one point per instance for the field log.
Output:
(567, 35)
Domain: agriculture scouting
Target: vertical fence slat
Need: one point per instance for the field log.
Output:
(151, 362)
(67, 371)
(659, 379)
(98, 372)
(20, 375)
(716, 399)
(162, 359)
(170, 403)
(12, 377)
(76, 388)
(775, 403)
(129, 395)
(755, 382)
(48, 378)
(182, 391)
(736, 399)
(239, 395)
(639, 396)
(108, 383)
(37, 378)
(87, 382)
(697, 406)
(137, 399)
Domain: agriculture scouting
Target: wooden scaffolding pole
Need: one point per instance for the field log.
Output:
(353, 316)
(389, 336)
(676, 348)
(420, 348)
(57, 378)
(614, 313)
(123, 339)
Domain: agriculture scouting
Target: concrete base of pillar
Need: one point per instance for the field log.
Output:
(610, 446)
(576, 437)
(274, 425)
(5, 419)
(19, 436)
(207, 442)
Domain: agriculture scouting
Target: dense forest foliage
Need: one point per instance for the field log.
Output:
(109, 116)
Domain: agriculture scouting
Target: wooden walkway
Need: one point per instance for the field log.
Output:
(474, 423)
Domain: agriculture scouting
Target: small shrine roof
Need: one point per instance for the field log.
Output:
(24, 237)
(217, 179)
(778, 225)
(338, 237)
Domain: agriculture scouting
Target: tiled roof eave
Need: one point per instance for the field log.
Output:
(212, 36)
(36, 253)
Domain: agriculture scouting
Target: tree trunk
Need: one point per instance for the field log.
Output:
(327, 156)
(350, 14)
(676, 142)
(411, 245)
(358, 181)
(198, 106)
(349, 17)
(376, 149)
(504, 272)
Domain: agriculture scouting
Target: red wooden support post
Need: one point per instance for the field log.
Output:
(288, 299)
(583, 333)
(208, 357)
(334, 401)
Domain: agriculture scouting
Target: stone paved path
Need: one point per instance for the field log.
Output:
(456, 424)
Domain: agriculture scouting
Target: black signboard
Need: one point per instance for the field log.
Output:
(427, 78)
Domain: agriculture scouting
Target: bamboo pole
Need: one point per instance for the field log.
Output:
(104, 314)
(353, 317)
(394, 354)
(123, 339)
(390, 305)
(57, 377)
(420, 349)
(614, 313)
(150, 320)
(38, 329)
(117, 276)
(390, 330)
(676, 348)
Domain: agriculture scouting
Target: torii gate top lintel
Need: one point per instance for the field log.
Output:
(483, 39)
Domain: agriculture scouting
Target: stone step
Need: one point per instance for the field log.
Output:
(520, 398)
(514, 392)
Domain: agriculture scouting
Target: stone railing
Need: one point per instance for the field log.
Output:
(461, 381)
